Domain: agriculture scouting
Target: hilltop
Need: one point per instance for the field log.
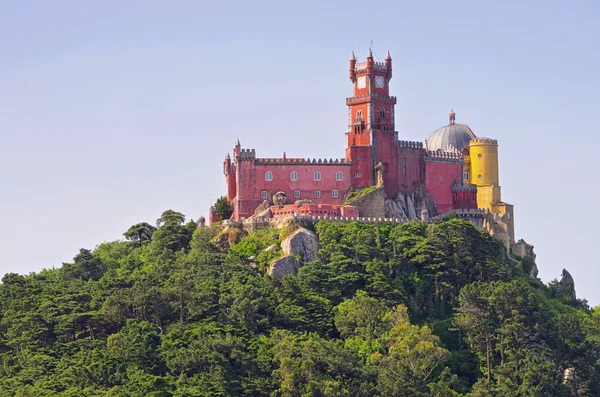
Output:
(410, 309)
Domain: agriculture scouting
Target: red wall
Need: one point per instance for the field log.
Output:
(440, 178)
(361, 163)
(387, 153)
(414, 168)
(465, 199)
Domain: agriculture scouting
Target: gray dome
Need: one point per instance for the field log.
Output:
(450, 138)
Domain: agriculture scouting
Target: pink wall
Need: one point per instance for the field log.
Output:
(441, 177)
(253, 182)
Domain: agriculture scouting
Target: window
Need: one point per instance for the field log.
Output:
(359, 115)
(317, 176)
(296, 194)
(335, 194)
(403, 165)
(382, 113)
(263, 195)
(466, 175)
(268, 176)
(293, 176)
(317, 194)
(357, 175)
(479, 155)
(339, 176)
(479, 176)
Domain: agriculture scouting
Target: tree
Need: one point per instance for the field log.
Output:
(224, 208)
(140, 233)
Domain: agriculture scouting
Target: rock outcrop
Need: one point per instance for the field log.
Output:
(411, 204)
(372, 204)
(284, 266)
(566, 286)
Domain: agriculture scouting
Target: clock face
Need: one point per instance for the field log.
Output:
(361, 82)
(379, 81)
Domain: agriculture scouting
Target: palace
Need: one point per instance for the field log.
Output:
(379, 175)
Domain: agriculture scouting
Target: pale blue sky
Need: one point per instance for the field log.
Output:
(113, 111)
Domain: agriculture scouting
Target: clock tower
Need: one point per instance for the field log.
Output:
(371, 137)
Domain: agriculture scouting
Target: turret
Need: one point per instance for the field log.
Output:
(227, 165)
(370, 62)
(353, 67)
(237, 149)
(388, 65)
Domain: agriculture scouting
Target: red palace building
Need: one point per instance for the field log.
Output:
(373, 151)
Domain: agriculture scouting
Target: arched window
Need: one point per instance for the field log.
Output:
(317, 194)
(317, 176)
(339, 176)
(359, 115)
(382, 113)
(293, 176)
(268, 176)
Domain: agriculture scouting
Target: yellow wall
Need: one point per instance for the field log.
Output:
(483, 154)
(482, 164)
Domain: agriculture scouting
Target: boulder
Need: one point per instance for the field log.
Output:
(303, 243)
(261, 208)
(279, 198)
(284, 266)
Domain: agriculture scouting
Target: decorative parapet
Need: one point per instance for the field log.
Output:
(367, 98)
(361, 67)
(410, 144)
(299, 161)
(314, 218)
(483, 141)
(446, 157)
(464, 188)
(247, 154)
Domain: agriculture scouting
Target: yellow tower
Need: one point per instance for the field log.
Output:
(483, 172)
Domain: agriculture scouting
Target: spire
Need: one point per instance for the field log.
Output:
(388, 55)
(370, 53)
(227, 158)
(452, 116)
(353, 57)
(237, 142)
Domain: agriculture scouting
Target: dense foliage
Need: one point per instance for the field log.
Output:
(387, 310)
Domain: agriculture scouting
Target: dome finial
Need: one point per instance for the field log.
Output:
(452, 116)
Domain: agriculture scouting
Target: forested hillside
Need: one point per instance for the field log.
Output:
(387, 310)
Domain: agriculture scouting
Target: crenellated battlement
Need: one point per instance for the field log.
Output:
(367, 98)
(410, 144)
(447, 157)
(483, 141)
(247, 154)
(464, 188)
(361, 67)
(300, 161)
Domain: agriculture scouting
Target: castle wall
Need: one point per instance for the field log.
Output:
(255, 186)
(409, 165)
(440, 177)
(387, 154)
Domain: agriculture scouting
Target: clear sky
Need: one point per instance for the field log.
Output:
(113, 111)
